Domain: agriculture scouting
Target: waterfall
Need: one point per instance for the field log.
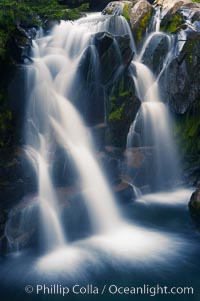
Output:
(153, 123)
(52, 120)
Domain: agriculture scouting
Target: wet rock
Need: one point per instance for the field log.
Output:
(123, 106)
(124, 193)
(180, 81)
(140, 16)
(174, 5)
(194, 207)
(110, 52)
(173, 13)
(117, 52)
(118, 8)
(20, 44)
(156, 52)
(172, 22)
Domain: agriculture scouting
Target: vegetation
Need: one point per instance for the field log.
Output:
(26, 14)
(173, 23)
(187, 129)
(141, 27)
(17, 17)
(126, 11)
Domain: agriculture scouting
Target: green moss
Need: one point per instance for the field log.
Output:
(187, 134)
(117, 114)
(119, 100)
(30, 13)
(173, 23)
(126, 11)
(141, 28)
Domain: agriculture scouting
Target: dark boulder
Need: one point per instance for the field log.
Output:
(194, 207)
(156, 51)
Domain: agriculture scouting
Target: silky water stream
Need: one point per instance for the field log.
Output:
(151, 241)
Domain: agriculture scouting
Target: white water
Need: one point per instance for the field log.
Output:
(53, 120)
(153, 122)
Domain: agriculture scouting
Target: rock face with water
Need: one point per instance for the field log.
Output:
(180, 80)
(155, 53)
(123, 107)
(116, 8)
(140, 16)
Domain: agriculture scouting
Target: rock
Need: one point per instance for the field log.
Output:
(124, 193)
(140, 16)
(172, 13)
(172, 22)
(20, 44)
(117, 52)
(194, 207)
(123, 106)
(174, 5)
(156, 52)
(180, 81)
(118, 8)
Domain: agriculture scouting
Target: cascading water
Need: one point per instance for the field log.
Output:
(161, 236)
(153, 122)
(52, 119)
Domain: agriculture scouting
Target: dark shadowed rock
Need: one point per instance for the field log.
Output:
(156, 52)
(194, 206)
(180, 81)
(123, 106)
(124, 193)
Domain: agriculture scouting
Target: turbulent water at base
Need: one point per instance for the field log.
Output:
(53, 120)
(153, 123)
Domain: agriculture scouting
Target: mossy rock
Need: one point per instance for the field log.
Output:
(119, 8)
(140, 17)
(172, 23)
(187, 135)
(122, 107)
